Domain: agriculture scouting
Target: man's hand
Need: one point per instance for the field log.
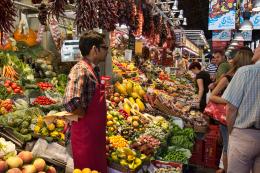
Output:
(231, 111)
(79, 112)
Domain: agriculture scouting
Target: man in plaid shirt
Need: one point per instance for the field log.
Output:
(85, 98)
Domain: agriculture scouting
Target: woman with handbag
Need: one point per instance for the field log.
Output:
(243, 57)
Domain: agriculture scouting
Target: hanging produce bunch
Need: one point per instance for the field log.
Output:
(43, 14)
(7, 16)
(148, 25)
(57, 8)
(107, 14)
(86, 10)
(127, 13)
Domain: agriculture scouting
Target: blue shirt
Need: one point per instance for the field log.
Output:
(244, 93)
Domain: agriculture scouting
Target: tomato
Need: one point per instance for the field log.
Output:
(17, 90)
(6, 85)
(8, 82)
(14, 85)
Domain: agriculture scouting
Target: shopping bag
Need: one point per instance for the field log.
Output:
(216, 111)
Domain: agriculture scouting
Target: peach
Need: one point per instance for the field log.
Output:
(51, 169)
(39, 164)
(3, 166)
(14, 162)
(14, 170)
(26, 156)
(29, 169)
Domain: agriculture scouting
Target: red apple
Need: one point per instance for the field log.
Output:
(51, 169)
(14, 162)
(26, 156)
(39, 164)
(29, 169)
(14, 170)
(3, 166)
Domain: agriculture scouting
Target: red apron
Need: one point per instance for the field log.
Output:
(88, 135)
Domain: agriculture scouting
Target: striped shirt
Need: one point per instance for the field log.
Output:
(80, 88)
(211, 68)
(244, 93)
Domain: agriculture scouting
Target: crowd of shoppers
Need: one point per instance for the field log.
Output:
(235, 84)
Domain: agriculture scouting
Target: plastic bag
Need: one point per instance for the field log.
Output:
(216, 111)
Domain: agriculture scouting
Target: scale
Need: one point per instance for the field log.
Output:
(70, 51)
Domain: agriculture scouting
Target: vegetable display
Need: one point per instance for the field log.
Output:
(43, 100)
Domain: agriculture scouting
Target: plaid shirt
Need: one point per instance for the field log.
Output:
(80, 88)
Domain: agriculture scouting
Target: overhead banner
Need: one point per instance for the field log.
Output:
(224, 35)
(254, 18)
(222, 14)
(219, 45)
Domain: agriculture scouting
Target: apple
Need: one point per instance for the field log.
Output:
(51, 169)
(26, 156)
(14, 162)
(116, 94)
(29, 169)
(3, 166)
(14, 170)
(117, 99)
(39, 164)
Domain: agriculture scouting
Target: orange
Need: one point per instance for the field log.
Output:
(77, 171)
(86, 170)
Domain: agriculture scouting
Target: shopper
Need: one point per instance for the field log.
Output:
(243, 118)
(85, 98)
(212, 68)
(223, 67)
(202, 83)
(242, 58)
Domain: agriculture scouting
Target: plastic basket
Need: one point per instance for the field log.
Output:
(197, 157)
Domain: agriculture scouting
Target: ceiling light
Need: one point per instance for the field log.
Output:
(184, 21)
(234, 43)
(238, 37)
(246, 26)
(175, 5)
(231, 47)
(256, 7)
(181, 15)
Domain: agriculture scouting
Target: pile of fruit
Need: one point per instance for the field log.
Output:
(25, 163)
(168, 170)
(13, 87)
(118, 142)
(53, 131)
(43, 101)
(128, 158)
(45, 85)
(85, 170)
(6, 106)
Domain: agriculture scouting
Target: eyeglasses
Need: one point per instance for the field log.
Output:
(104, 47)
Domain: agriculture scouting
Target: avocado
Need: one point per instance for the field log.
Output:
(18, 121)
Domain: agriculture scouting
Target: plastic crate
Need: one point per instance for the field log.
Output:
(212, 150)
(197, 157)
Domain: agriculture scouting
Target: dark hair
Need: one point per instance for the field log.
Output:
(88, 40)
(220, 52)
(195, 65)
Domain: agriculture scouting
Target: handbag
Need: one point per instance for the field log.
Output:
(216, 111)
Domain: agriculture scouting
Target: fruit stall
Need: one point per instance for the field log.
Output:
(151, 121)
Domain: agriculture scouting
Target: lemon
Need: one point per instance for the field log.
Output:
(86, 170)
(77, 171)
(110, 123)
(109, 117)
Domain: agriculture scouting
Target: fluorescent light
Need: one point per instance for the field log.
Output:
(181, 15)
(184, 21)
(234, 43)
(175, 5)
(246, 26)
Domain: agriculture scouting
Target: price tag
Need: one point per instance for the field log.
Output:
(128, 54)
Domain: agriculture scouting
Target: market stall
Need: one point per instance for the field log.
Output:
(151, 121)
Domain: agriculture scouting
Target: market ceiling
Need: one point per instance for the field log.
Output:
(196, 12)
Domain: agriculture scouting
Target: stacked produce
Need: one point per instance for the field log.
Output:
(25, 162)
(85, 170)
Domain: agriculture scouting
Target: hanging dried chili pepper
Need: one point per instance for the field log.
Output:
(57, 8)
(7, 16)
